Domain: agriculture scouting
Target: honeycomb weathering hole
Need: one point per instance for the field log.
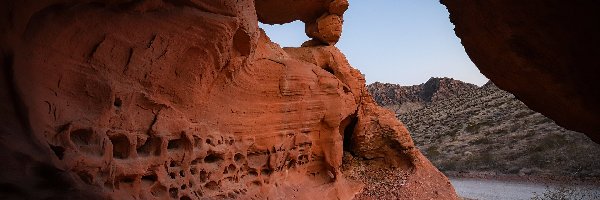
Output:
(197, 142)
(149, 179)
(173, 164)
(196, 161)
(241, 42)
(256, 183)
(266, 171)
(203, 176)
(58, 151)
(329, 69)
(185, 198)
(212, 185)
(238, 157)
(118, 102)
(86, 177)
(231, 168)
(213, 157)
(82, 137)
(347, 126)
(158, 191)
(176, 144)
(121, 146)
(125, 181)
(252, 172)
(150, 147)
(173, 192)
(291, 164)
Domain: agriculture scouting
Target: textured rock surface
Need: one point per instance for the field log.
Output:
(186, 100)
(544, 52)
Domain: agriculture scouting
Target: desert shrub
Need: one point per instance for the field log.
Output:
(565, 193)
(522, 114)
(448, 165)
(473, 128)
(545, 120)
(432, 152)
(530, 133)
(453, 132)
(537, 159)
(483, 160)
(516, 126)
(483, 140)
(549, 142)
(488, 160)
(500, 132)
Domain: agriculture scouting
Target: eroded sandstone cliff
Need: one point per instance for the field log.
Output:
(185, 99)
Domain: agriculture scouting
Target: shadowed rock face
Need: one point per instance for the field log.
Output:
(544, 52)
(186, 100)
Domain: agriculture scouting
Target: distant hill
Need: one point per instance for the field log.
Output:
(464, 128)
(407, 98)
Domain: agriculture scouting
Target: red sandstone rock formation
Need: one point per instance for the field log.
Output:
(188, 100)
(545, 52)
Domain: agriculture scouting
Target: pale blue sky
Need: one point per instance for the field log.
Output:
(395, 41)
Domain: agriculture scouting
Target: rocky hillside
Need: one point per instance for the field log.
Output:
(488, 130)
(407, 98)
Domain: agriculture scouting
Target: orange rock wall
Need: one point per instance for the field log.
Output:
(186, 100)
